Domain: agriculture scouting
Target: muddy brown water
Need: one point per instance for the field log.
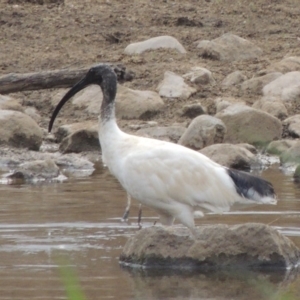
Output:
(77, 223)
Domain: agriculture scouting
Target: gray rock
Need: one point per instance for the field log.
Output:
(173, 86)
(288, 64)
(88, 100)
(135, 104)
(291, 156)
(81, 140)
(203, 131)
(278, 147)
(9, 103)
(216, 247)
(19, 130)
(35, 171)
(254, 86)
(155, 43)
(130, 104)
(73, 165)
(68, 129)
(286, 87)
(291, 126)
(224, 102)
(170, 134)
(272, 106)
(232, 156)
(73, 161)
(229, 47)
(248, 147)
(248, 125)
(234, 78)
(200, 76)
(33, 113)
(192, 110)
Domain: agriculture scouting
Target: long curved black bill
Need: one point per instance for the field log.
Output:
(74, 90)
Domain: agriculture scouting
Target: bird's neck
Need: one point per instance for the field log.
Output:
(107, 111)
(108, 127)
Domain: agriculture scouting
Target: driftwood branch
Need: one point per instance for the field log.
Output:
(13, 82)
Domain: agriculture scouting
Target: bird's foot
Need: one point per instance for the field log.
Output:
(125, 216)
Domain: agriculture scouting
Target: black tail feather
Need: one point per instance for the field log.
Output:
(248, 185)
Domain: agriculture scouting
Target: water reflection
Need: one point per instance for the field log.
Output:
(80, 221)
(151, 284)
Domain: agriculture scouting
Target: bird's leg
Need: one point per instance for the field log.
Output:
(140, 216)
(127, 209)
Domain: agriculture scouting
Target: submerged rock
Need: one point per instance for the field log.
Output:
(35, 171)
(218, 246)
(291, 156)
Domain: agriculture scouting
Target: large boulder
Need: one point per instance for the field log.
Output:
(135, 104)
(272, 106)
(218, 246)
(291, 156)
(130, 104)
(224, 102)
(85, 139)
(173, 86)
(254, 86)
(229, 47)
(68, 129)
(286, 87)
(155, 43)
(248, 125)
(231, 156)
(9, 103)
(287, 64)
(291, 126)
(203, 131)
(234, 78)
(280, 146)
(19, 130)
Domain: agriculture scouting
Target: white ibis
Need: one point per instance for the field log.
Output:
(171, 179)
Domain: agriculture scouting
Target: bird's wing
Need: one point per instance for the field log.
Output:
(169, 172)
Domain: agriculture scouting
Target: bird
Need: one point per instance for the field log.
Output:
(173, 180)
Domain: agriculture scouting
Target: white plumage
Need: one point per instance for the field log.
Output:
(173, 180)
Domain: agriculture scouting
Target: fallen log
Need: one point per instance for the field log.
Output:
(13, 82)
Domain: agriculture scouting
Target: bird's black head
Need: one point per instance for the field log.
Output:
(103, 75)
